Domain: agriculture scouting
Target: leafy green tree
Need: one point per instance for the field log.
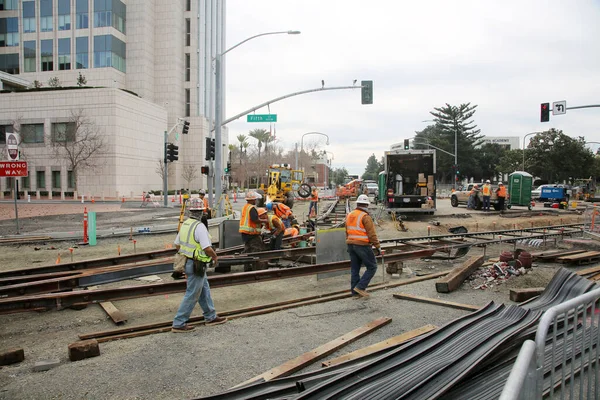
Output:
(262, 136)
(372, 169)
(488, 158)
(556, 157)
(451, 121)
(510, 161)
(243, 145)
(338, 175)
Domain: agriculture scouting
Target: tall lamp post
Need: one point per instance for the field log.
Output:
(529, 134)
(302, 142)
(327, 167)
(219, 116)
(455, 148)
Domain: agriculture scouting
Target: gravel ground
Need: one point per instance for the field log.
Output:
(212, 359)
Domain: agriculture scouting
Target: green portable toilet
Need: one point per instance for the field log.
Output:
(381, 187)
(520, 185)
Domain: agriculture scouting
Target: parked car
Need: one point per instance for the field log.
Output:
(461, 196)
(372, 188)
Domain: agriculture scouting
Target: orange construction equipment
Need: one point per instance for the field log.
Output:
(350, 189)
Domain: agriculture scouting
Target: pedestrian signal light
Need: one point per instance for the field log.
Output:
(406, 144)
(228, 167)
(366, 94)
(204, 169)
(172, 152)
(186, 127)
(210, 149)
(545, 112)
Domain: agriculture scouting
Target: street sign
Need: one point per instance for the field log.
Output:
(261, 118)
(12, 146)
(559, 107)
(13, 168)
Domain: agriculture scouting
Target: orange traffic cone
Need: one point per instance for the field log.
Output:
(58, 259)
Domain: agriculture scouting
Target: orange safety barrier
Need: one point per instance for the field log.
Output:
(85, 225)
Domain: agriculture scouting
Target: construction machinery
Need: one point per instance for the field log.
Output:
(349, 190)
(283, 182)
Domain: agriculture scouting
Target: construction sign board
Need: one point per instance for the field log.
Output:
(13, 169)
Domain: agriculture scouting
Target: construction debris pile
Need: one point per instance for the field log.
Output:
(495, 274)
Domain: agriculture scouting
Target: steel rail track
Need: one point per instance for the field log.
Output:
(67, 299)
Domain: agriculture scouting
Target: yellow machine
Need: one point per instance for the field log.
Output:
(283, 182)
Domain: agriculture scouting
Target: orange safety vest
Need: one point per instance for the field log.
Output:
(315, 195)
(246, 224)
(486, 190)
(282, 211)
(205, 201)
(271, 223)
(355, 229)
(502, 191)
(293, 232)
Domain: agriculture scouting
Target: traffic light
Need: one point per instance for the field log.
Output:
(210, 149)
(406, 144)
(366, 94)
(172, 152)
(545, 112)
(228, 167)
(186, 127)
(204, 169)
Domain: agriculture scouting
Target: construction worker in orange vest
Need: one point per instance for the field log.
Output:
(285, 213)
(486, 192)
(501, 193)
(250, 225)
(273, 224)
(202, 194)
(360, 236)
(473, 194)
(314, 200)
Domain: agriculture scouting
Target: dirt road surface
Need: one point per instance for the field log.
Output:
(212, 359)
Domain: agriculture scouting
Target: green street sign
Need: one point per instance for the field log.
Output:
(261, 118)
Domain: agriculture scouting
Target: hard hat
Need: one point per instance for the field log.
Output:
(363, 199)
(196, 205)
(270, 206)
(253, 196)
(262, 211)
(487, 181)
(202, 191)
(500, 184)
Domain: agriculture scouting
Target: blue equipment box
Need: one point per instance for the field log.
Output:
(553, 193)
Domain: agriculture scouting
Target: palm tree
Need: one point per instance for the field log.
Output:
(261, 135)
(243, 144)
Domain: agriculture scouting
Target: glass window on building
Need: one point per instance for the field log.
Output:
(64, 54)
(40, 179)
(188, 5)
(82, 10)
(28, 16)
(29, 63)
(70, 179)
(46, 15)
(9, 63)
(109, 52)
(46, 55)
(82, 51)
(25, 183)
(9, 5)
(188, 32)
(9, 32)
(55, 179)
(187, 102)
(63, 132)
(64, 15)
(32, 133)
(110, 13)
(187, 67)
(119, 15)
(3, 129)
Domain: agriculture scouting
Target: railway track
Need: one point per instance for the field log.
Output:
(43, 287)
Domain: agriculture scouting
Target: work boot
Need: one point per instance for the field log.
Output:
(361, 292)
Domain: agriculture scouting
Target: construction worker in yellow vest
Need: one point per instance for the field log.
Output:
(360, 236)
(193, 242)
(486, 192)
(250, 226)
(274, 225)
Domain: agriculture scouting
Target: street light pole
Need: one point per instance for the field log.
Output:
(219, 116)
(532, 133)
(302, 142)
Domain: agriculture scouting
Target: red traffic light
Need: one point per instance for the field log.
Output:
(545, 112)
(204, 169)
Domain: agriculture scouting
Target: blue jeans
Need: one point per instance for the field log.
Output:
(197, 290)
(486, 203)
(313, 204)
(361, 255)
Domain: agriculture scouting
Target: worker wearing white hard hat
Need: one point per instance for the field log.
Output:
(486, 192)
(360, 238)
(194, 244)
(250, 225)
(202, 194)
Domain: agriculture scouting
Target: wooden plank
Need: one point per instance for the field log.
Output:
(305, 359)
(113, 312)
(428, 300)
(595, 277)
(377, 347)
(520, 295)
(551, 255)
(588, 271)
(457, 276)
(580, 256)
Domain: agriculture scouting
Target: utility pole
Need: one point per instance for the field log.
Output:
(166, 172)
(218, 137)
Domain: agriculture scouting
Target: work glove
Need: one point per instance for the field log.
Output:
(377, 251)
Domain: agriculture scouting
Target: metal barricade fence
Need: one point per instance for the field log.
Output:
(566, 346)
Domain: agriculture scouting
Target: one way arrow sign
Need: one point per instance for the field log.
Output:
(559, 107)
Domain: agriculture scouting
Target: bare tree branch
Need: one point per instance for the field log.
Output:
(189, 173)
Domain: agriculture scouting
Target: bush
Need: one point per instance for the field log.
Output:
(56, 194)
(43, 193)
(70, 194)
(7, 193)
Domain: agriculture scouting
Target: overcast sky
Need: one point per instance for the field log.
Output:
(507, 57)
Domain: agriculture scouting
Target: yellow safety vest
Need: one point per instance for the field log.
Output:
(246, 224)
(272, 226)
(355, 229)
(187, 242)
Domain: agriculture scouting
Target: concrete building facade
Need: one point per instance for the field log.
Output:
(147, 65)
